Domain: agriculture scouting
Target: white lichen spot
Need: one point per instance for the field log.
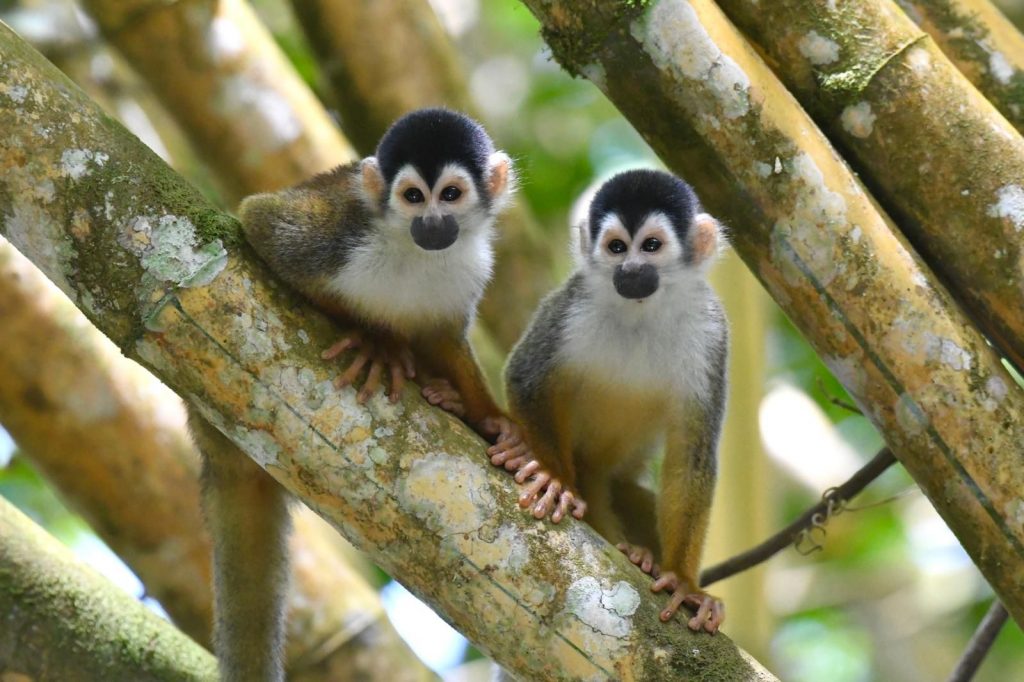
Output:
(672, 34)
(606, 611)
(1015, 513)
(45, 191)
(810, 229)
(75, 162)
(451, 494)
(858, 120)
(17, 93)
(957, 32)
(965, 192)
(953, 356)
(595, 73)
(818, 49)
(855, 234)
(762, 169)
(224, 40)
(995, 389)
(909, 415)
(778, 165)
(1000, 68)
(1009, 205)
(849, 371)
(303, 336)
(506, 551)
(919, 59)
(169, 250)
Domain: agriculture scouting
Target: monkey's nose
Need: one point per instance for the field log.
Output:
(636, 283)
(435, 233)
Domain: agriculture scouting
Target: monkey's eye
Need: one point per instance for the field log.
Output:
(413, 195)
(651, 245)
(617, 246)
(450, 193)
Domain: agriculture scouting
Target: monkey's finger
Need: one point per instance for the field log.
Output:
(717, 616)
(517, 463)
(340, 347)
(579, 508)
(372, 381)
(564, 502)
(397, 381)
(703, 613)
(667, 580)
(656, 571)
(350, 374)
(527, 470)
(518, 459)
(532, 488)
(547, 501)
(674, 602)
(648, 561)
(502, 445)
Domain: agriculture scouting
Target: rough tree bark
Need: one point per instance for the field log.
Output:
(113, 441)
(715, 113)
(935, 151)
(163, 274)
(60, 620)
(374, 84)
(983, 44)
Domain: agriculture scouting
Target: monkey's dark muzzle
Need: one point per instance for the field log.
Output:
(434, 233)
(636, 283)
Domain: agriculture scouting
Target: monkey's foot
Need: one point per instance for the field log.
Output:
(547, 494)
(381, 355)
(641, 557)
(441, 393)
(710, 610)
(510, 449)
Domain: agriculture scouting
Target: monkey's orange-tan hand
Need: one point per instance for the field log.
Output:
(440, 393)
(641, 557)
(546, 493)
(710, 610)
(381, 356)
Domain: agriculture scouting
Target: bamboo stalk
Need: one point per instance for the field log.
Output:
(935, 151)
(113, 441)
(715, 113)
(64, 621)
(219, 72)
(374, 84)
(986, 47)
(162, 273)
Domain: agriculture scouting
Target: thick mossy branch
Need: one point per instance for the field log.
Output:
(63, 621)
(701, 96)
(936, 153)
(133, 474)
(409, 485)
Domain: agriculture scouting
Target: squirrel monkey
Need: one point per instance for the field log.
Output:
(629, 355)
(399, 246)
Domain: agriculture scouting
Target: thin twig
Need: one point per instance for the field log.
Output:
(980, 643)
(837, 401)
(776, 543)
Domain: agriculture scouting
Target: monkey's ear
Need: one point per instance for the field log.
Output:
(373, 181)
(501, 178)
(705, 239)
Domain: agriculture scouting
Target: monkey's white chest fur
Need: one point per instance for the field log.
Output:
(396, 283)
(663, 345)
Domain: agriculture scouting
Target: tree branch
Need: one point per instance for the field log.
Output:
(785, 537)
(903, 113)
(63, 621)
(716, 114)
(982, 640)
(134, 477)
(149, 262)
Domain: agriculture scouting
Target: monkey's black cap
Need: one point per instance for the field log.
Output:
(635, 194)
(431, 138)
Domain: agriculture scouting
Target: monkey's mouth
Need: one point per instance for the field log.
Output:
(434, 233)
(636, 283)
